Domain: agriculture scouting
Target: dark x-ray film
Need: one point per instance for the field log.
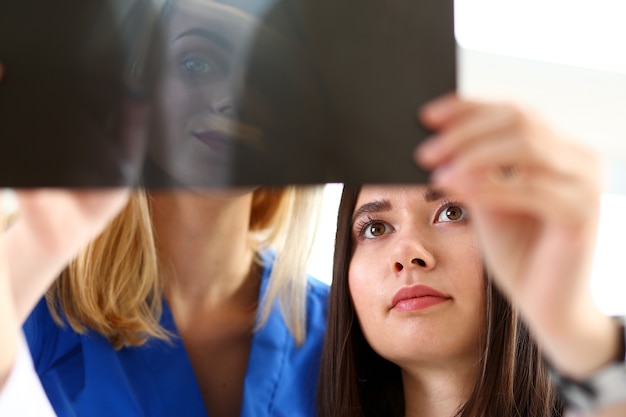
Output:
(188, 93)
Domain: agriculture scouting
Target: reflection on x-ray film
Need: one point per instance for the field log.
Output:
(218, 93)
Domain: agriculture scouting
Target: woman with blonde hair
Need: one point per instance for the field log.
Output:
(193, 301)
(188, 303)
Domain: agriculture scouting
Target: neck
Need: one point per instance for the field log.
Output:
(203, 246)
(438, 391)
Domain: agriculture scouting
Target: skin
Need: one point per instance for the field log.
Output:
(53, 225)
(212, 286)
(536, 227)
(419, 238)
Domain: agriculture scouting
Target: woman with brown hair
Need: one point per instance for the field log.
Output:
(418, 323)
(483, 340)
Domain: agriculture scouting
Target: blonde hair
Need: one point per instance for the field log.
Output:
(113, 287)
(289, 228)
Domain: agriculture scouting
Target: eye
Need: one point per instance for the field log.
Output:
(198, 66)
(376, 229)
(451, 213)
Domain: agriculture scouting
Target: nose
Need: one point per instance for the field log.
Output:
(414, 261)
(411, 254)
(224, 106)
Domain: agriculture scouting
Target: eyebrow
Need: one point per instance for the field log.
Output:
(219, 40)
(430, 194)
(372, 207)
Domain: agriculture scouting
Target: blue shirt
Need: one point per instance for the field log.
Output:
(84, 376)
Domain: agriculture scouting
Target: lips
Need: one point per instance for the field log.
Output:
(417, 297)
(217, 141)
(221, 134)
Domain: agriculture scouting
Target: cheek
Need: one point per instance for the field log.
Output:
(475, 269)
(461, 262)
(175, 97)
(462, 256)
(364, 285)
(470, 281)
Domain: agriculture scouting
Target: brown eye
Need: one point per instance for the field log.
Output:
(451, 213)
(454, 213)
(376, 229)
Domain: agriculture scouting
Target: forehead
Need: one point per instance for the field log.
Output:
(226, 21)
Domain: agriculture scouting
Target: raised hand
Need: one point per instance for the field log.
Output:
(52, 226)
(534, 201)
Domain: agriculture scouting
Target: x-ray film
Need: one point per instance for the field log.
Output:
(187, 93)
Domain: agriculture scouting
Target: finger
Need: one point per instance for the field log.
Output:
(478, 126)
(496, 152)
(1, 71)
(506, 160)
(62, 220)
(512, 218)
(548, 196)
(510, 161)
(442, 109)
(53, 226)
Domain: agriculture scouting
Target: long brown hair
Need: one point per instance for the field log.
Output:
(355, 381)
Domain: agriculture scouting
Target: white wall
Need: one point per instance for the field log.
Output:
(608, 279)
